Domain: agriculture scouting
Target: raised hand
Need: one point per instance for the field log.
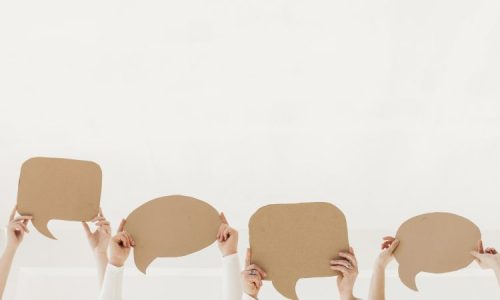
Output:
(16, 229)
(488, 259)
(348, 268)
(120, 246)
(252, 276)
(99, 238)
(227, 238)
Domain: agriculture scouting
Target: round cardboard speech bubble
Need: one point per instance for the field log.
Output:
(293, 241)
(57, 188)
(171, 226)
(434, 243)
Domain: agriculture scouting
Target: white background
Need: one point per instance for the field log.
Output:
(386, 108)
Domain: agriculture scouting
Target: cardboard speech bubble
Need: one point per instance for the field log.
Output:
(293, 241)
(434, 243)
(57, 188)
(171, 226)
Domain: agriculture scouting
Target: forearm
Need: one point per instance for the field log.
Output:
(112, 285)
(5, 265)
(377, 284)
(231, 284)
(101, 258)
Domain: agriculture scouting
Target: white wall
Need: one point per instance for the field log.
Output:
(386, 108)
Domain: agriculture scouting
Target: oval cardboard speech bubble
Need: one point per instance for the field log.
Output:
(57, 188)
(293, 241)
(434, 243)
(171, 226)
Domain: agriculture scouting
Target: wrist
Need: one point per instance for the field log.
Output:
(116, 263)
(10, 248)
(347, 296)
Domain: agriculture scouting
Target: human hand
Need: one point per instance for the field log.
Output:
(487, 258)
(99, 239)
(387, 255)
(252, 276)
(348, 268)
(15, 229)
(227, 238)
(120, 246)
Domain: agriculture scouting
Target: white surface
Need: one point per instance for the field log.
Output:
(386, 108)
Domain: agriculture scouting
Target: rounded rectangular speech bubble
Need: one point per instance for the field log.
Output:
(434, 243)
(293, 241)
(60, 189)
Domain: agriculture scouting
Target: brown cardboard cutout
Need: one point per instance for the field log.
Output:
(57, 188)
(293, 241)
(434, 243)
(171, 226)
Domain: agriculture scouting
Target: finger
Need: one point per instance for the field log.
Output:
(258, 269)
(350, 257)
(393, 246)
(22, 218)
(122, 241)
(480, 246)
(476, 254)
(226, 234)
(20, 226)
(130, 239)
(388, 238)
(221, 230)
(386, 245)
(97, 219)
(86, 228)
(223, 219)
(341, 262)
(102, 223)
(248, 257)
(13, 213)
(122, 225)
(490, 250)
(341, 269)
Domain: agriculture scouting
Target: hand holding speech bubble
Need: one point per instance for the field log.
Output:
(171, 226)
(434, 243)
(57, 188)
(293, 241)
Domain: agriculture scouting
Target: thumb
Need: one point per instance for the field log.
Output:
(394, 245)
(476, 254)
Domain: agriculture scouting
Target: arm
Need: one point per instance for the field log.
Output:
(119, 248)
(15, 231)
(227, 239)
(377, 285)
(348, 268)
(252, 278)
(98, 241)
(488, 259)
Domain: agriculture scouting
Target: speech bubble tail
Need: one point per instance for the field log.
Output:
(142, 262)
(408, 278)
(286, 288)
(42, 226)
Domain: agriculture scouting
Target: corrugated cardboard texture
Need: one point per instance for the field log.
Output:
(57, 188)
(293, 241)
(171, 226)
(434, 243)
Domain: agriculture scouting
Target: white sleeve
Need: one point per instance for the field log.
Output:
(112, 286)
(246, 297)
(231, 283)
